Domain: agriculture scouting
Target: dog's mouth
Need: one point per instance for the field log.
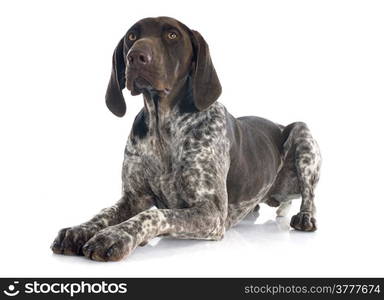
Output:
(141, 85)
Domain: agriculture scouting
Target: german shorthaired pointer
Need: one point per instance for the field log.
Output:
(202, 168)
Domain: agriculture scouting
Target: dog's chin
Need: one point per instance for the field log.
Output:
(141, 85)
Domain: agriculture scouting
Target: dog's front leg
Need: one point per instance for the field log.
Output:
(71, 240)
(201, 187)
(204, 221)
(198, 188)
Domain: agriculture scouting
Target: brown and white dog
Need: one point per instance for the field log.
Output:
(202, 168)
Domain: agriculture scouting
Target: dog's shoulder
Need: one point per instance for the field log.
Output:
(209, 122)
(203, 134)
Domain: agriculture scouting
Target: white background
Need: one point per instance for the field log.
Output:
(61, 150)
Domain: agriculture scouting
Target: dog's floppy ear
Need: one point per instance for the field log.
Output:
(205, 83)
(114, 97)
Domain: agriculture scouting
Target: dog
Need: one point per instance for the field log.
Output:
(203, 169)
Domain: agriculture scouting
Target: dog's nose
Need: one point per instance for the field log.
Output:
(139, 57)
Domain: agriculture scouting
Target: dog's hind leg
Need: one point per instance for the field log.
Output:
(307, 161)
(284, 208)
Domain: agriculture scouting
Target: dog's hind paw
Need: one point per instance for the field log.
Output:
(304, 221)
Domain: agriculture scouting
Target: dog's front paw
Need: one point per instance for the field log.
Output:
(71, 240)
(110, 244)
(304, 221)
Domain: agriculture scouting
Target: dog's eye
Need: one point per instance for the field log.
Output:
(172, 35)
(132, 36)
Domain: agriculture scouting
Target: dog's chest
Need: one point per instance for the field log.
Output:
(158, 159)
(159, 163)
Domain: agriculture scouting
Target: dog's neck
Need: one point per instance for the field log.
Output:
(159, 109)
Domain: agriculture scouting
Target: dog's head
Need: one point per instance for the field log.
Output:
(154, 56)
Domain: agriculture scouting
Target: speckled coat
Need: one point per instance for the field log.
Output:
(203, 169)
